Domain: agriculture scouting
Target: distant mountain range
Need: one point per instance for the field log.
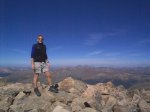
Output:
(134, 77)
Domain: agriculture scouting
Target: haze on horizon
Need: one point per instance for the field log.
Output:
(80, 32)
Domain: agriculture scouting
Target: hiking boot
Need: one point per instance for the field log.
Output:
(56, 86)
(37, 92)
(53, 89)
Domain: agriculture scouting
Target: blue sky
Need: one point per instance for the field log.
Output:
(93, 32)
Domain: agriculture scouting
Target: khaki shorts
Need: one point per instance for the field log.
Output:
(41, 67)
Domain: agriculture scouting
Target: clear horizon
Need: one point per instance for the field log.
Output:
(96, 33)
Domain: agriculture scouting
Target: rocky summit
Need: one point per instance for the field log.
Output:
(74, 96)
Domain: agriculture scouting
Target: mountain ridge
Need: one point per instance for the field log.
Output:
(127, 77)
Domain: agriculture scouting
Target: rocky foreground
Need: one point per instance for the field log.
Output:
(73, 96)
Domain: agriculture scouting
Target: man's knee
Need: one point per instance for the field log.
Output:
(36, 75)
(48, 74)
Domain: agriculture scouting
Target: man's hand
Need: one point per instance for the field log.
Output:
(32, 63)
(47, 62)
(33, 66)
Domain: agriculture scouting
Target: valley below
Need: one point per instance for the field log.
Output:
(136, 77)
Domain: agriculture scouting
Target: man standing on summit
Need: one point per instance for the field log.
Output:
(40, 64)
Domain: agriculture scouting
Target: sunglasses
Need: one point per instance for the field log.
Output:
(40, 39)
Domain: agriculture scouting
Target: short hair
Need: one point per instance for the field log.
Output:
(40, 36)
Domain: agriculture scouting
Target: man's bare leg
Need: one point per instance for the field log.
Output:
(52, 87)
(35, 79)
(48, 76)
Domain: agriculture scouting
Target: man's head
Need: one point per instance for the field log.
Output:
(40, 39)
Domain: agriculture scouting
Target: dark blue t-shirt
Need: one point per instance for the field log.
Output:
(38, 52)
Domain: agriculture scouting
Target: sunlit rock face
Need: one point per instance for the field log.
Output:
(73, 96)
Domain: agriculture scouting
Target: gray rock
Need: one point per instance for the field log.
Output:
(19, 98)
(81, 103)
(5, 103)
(30, 103)
(121, 109)
(78, 104)
(60, 109)
(90, 110)
(11, 90)
(35, 110)
(136, 99)
(57, 103)
(1, 110)
(121, 88)
(65, 97)
(73, 96)
(93, 96)
(143, 105)
(122, 99)
(146, 95)
(72, 86)
(3, 82)
(110, 103)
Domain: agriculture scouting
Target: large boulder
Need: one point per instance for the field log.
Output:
(5, 103)
(90, 110)
(110, 103)
(30, 103)
(146, 95)
(93, 97)
(121, 108)
(12, 90)
(72, 86)
(65, 97)
(78, 104)
(143, 105)
(122, 98)
(135, 100)
(55, 105)
(60, 109)
(105, 88)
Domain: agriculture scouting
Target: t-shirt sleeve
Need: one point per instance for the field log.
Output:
(33, 51)
(46, 53)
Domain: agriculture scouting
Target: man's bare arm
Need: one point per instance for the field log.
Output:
(32, 63)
